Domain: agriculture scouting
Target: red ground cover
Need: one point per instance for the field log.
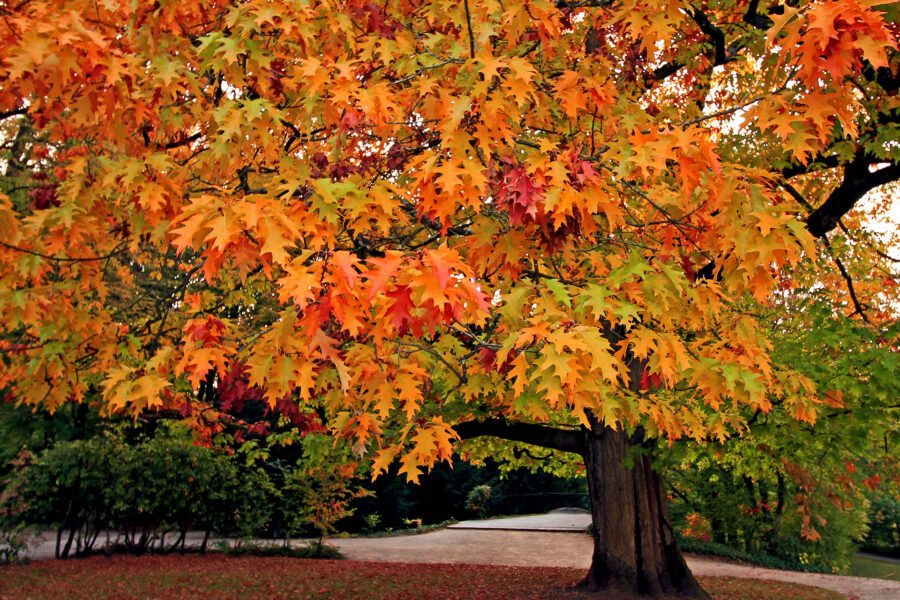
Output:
(248, 578)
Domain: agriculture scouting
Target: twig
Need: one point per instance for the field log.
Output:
(847, 278)
(63, 258)
(435, 354)
(469, 26)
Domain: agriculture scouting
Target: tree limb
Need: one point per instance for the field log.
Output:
(858, 181)
(564, 440)
(752, 16)
(12, 113)
(62, 259)
(582, 3)
(716, 35)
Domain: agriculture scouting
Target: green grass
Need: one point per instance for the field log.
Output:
(876, 569)
(218, 577)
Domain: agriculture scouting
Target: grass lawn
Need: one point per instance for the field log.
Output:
(247, 578)
(877, 569)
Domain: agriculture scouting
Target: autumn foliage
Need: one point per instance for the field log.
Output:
(412, 214)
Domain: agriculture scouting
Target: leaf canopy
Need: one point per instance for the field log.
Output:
(416, 213)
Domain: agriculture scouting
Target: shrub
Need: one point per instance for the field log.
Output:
(318, 491)
(756, 558)
(884, 526)
(143, 492)
(477, 499)
(13, 546)
(68, 487)
(315, 549)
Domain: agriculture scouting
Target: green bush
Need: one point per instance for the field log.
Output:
(760, 516)
(143, 492)
(477, 500)
(13, 546)
(315, 549)
(708, 548)
(884, 526)
(171, 485)
(316, 492)
(67, 486)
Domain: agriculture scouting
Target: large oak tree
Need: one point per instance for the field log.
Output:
(546, 222)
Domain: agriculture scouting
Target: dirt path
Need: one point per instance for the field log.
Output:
(556, 549)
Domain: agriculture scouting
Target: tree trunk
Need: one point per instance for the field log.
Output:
(635, 551)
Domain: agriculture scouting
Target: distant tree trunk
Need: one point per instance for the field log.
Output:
(68, 546)
(635, 551)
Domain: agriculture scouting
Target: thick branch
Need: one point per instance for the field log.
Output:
(12, 113)
(829, 159)
(564, 440)
(752, 16)
(716, 35)
(883, 76)
(666, 70)
(857, 182)
(582, 3)
(819, 163)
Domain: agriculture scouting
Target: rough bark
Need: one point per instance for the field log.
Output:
(635, 551)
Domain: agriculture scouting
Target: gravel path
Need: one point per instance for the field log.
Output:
(556, 549)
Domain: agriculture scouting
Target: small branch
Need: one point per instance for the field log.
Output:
(526, 143)
(537, 276)
(518, 452)
(726, 111)
(469, 27)
(435, 354)
(797, 196)
(62, 258)
(878, 252)
(181, 142)
(251, 339)
(849, 280)
(443, 63)
(742, 105)
(681, 495)
(430, 53)
(612, 240)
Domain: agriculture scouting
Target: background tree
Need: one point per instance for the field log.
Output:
(554, 223)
